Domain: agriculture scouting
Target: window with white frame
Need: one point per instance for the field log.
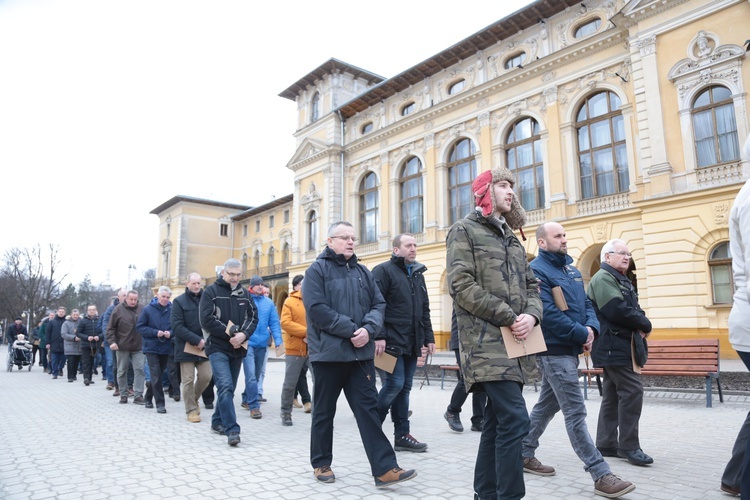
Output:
(523, 148)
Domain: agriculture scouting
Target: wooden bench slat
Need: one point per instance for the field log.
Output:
(685, 342)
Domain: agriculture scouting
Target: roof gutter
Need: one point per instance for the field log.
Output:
(341, 156)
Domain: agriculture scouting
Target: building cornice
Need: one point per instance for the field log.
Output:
(200, 201)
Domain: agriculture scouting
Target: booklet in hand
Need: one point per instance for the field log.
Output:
(191, 349)
(386, 362)
(533, 343)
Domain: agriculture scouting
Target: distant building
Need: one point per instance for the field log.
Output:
(621, 120)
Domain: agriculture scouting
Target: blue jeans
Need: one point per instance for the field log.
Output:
(395, 394)
(226, 370)
(57, 360)
(108, 364)
(560, 391)
(498, 472)
(252, 366)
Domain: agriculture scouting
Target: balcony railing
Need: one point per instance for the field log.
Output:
(728, 173)
(267, 270)
(603, 204)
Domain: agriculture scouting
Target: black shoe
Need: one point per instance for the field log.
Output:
(139, 400)
(176, 397)
(233, 439)
(219, 429)
(149, 404)
(286, 419)
(608, 452)
(86, 382)
(70, 380)
(96, 372)
(261, 399)
(478, 426)
(730, 490)
(454, 421)
(161, 410)
(635, 457)
(209, 406)
(408, 443)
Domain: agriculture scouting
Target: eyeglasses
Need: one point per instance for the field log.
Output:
(624, 254)
(233, 275)
(346, 238)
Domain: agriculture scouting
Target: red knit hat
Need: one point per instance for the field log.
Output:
(484, 197)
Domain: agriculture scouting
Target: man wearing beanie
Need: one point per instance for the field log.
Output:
(492, 285)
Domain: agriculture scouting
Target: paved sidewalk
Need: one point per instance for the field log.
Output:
(68, 441)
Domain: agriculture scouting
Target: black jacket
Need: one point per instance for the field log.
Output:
(88, 327)
(220, 304)
(54, 335)
(12, 332)
(340, 296)
(186, 325)
(620, 317)
(407, 326)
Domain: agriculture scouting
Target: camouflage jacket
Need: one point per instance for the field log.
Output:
(491, 284)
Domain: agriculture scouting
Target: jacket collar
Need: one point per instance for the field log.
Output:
(338, 258)
(556, 259)
(614, 272)
(415, 266)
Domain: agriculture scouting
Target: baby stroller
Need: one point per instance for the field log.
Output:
(19, 357)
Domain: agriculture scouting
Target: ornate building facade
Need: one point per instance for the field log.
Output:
(619, 120)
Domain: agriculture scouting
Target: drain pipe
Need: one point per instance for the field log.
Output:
(343, 199)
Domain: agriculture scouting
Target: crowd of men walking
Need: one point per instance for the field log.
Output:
(341, 320)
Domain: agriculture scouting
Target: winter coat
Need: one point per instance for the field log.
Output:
(620, 317)
(186, 326)
(407, 326)
(491, 284)
(89, 327)
(72, 344)
(220, 304)
(739, 245)
(13, 331)
(341, 296)
(153, 318)
(294, 325)
(268, 323)
(564, 331)
(121, 328)
(104, 320)
(54, 337)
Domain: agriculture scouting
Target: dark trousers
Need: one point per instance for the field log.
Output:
(173, 370)
(87, 360)
(34, 349)
(458, 398)
(73, 361)
(43, 356)
(394, 395)
(620, 410)
(157, 363)
(57, 360)
(498, 472)
(357, 380)
(208, 395)
(302, 388)
(737, 472)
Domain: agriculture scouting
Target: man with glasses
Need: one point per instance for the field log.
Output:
(623, 330)
(344, 310)
(228, 318)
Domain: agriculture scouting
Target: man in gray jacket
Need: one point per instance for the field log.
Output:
(344, 313)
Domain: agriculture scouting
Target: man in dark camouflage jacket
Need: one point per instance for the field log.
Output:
(492, 285)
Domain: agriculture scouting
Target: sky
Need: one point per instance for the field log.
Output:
(110, 108)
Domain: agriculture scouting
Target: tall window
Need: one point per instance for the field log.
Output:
(244, 230)
(315, 107)
(256, 260)
(244, 262)
(714, 127)
(722, 281)
(271, 219)
(368, 209)
(411, 197)
(312, 230)
(286, 255)
(602, 154)
(524, 154)
(223, 229)
(286, 216)
(462, 169)
(271, 257)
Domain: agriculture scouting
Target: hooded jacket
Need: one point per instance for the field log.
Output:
(121, 327)
(564, 331)
(153, 318)
(491, 284)
(268, 323)
(407, 326)
(294, 325)
(341, 296)
(186, 325)
(219, 304)
(72, 345)
(616, 304)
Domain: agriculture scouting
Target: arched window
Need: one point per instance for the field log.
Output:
(722, 280)
(457, 87)
(462, 169)
(244, 263)
(315, 107)
(407, 109)
(286, 254)
(588, 28)
(524, 154)
(271, 257)
(256, 261)
(602, 153)
(312, 230)
(367, 128)
(410, 184)
(714, 127)
(368, 209)
(515, 60)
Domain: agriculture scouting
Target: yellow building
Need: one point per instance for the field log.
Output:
(620, 120)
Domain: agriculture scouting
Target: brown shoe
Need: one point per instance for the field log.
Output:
(296, 403)
(534, 466)
(611, 486)
(116, 393)
(256, 414)
(324, 474)
(123, 400)
(194, 417)
(308, 407)
(393, 476)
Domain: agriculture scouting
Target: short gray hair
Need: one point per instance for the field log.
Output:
(333, 226)
(232, 263)
(610, 247)
(164, 289)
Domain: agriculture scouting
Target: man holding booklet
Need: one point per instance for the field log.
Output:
(493, 286)
(569, 325)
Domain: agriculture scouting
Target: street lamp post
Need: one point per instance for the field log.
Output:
(27, 315)
(131, 267)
